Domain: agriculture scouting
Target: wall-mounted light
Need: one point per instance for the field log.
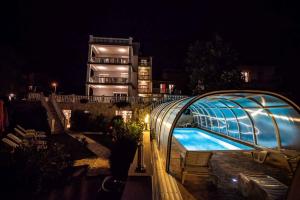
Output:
(122, 50)
(122, 68)
(102, 49)
(101, 67)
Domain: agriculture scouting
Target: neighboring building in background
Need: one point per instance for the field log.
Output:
(145, 77)
(112, 67)
(172, 81)
(258, 77)
(161, 87)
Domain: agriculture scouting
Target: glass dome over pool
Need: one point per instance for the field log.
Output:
(257, 119)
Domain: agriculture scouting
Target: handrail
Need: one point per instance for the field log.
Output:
(98, 79)
(42, 98)
(58, 111)
(110, 60)
(107, 99)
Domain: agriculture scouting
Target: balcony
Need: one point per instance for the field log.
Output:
(109, 80)
(144, 77)
(109, 60)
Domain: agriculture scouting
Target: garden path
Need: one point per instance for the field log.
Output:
(99, 165)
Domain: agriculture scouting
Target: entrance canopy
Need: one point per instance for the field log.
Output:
(256, 118)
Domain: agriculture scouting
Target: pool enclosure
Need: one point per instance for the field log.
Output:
(227, 121)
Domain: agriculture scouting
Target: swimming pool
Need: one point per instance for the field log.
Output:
(194, 139)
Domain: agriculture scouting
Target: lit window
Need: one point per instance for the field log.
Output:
(163, 88)
(246, 76)
(126, 114)
(171, 88)
(67, 114)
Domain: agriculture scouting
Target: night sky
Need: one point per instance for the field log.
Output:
(52, 36)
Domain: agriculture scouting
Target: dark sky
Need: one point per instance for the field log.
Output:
(52, 36)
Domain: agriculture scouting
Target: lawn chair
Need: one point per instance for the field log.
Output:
(24, 135)
(14, 138)
(10, 145)
(259, 156)
(195, 163)
(288, 159)
(261, 186)
(31, 131)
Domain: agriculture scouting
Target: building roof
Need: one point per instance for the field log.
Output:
(256, 118)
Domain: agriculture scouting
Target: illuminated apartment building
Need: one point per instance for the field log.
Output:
(112, 67)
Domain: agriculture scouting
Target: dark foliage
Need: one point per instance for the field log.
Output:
(212, 66)
(84, 100)
(122, 104)
(30, 115)
(85, 121)
(30, 171)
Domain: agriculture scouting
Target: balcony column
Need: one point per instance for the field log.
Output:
(90, 53)
(88, 73)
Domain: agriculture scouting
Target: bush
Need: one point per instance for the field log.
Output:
(83, 121)
(126, 136)
(29, 171)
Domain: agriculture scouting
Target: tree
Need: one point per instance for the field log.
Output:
(212, 66)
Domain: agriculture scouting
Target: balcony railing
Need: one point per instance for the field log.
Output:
(144, 77)
(108, 60)
(103, 40)
(117, 80)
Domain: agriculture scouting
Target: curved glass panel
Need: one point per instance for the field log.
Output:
(264, 127)
(288, 121)
(264, 120)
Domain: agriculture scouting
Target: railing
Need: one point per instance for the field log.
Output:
(58, 111)
(106, 99)
(121, 80)
(166, 98)
(100, 99)
(109, 60)
(35, 96)
(111, 40)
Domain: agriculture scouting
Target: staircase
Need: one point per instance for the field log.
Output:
(55, 117)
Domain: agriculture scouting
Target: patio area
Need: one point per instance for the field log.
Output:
(225, 166)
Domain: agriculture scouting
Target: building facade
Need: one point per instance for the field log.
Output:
(112, 67)
(145, 77)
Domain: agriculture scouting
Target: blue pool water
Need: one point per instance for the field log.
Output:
(194, 139)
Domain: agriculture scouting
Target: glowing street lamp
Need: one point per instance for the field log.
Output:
(54, 84)
(146, 120)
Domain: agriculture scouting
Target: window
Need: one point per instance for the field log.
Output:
(126, 114)
(246, 76)
(143, 62)
(163, 88)
(171, 88)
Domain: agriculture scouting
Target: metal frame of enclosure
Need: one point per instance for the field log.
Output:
(257, 118)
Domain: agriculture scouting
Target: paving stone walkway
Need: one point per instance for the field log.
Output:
(99, 165)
